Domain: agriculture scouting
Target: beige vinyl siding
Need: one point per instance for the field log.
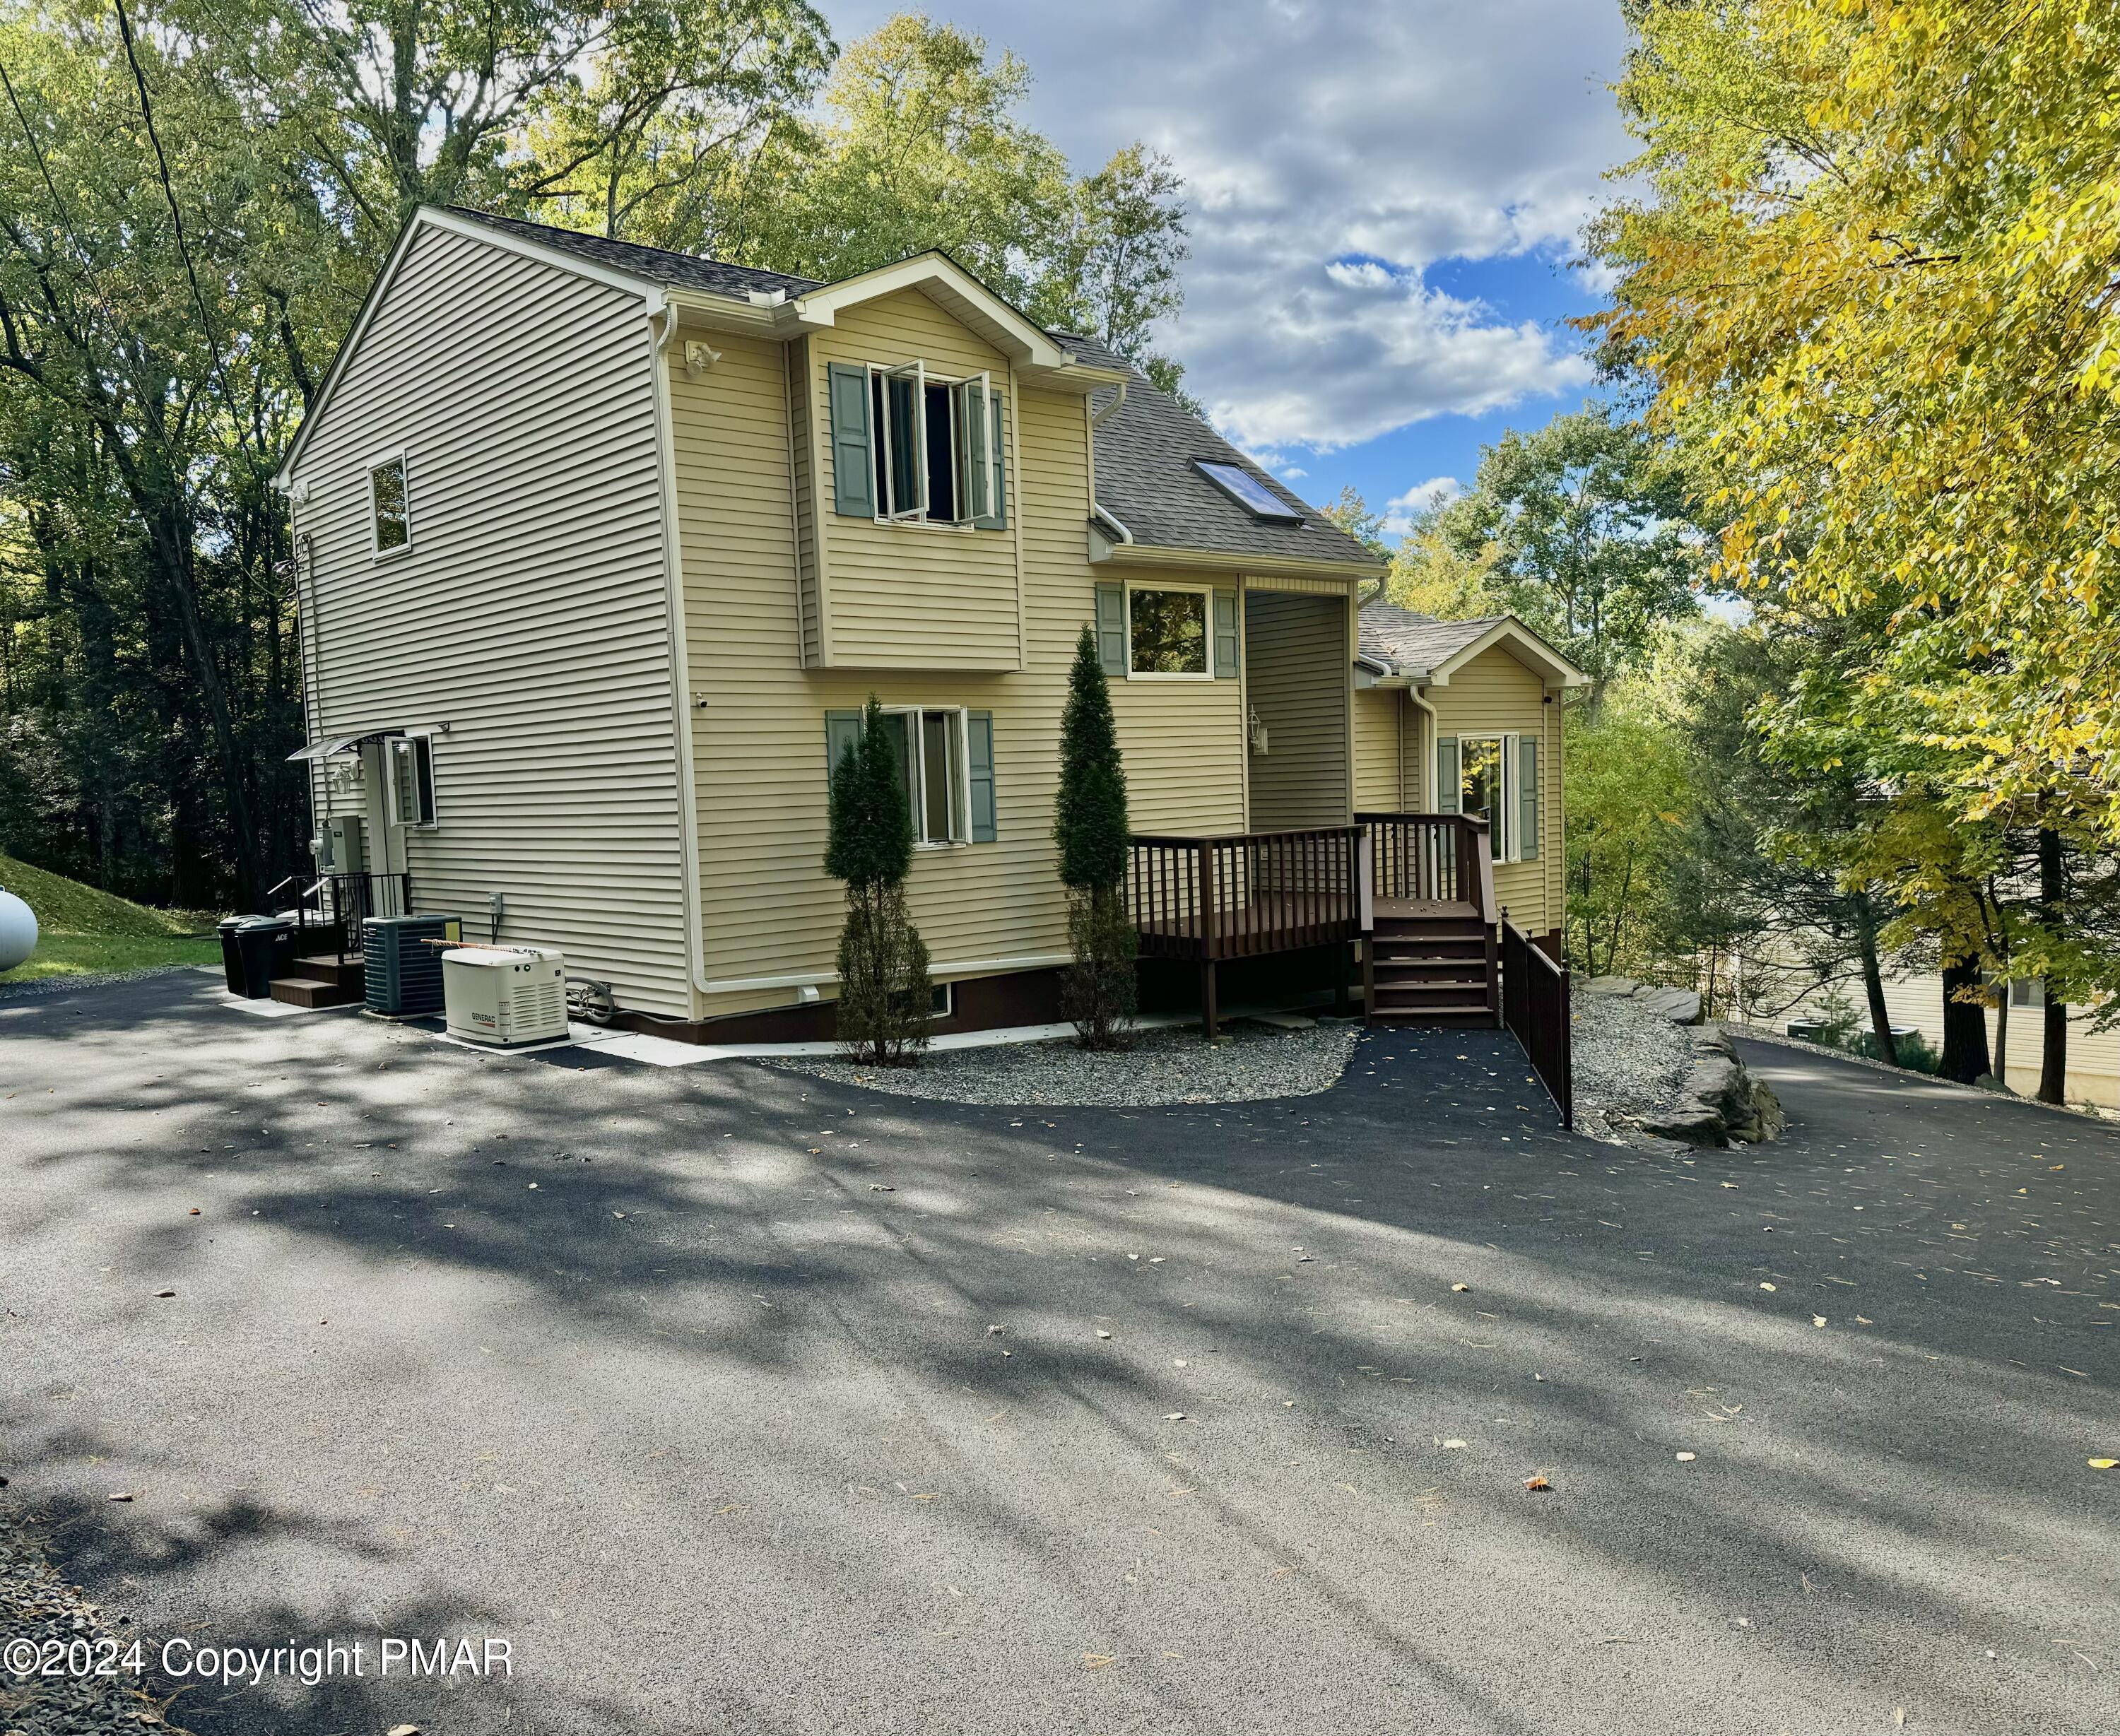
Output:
(769, 911)
(1492, 695)
(1297, 670)
(903, 595)
(530, 613)
(1381, 726)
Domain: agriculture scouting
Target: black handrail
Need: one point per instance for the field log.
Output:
(1535, 1007)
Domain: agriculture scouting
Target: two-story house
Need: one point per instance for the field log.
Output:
(601, 548)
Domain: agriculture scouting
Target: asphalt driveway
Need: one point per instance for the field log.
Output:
(684, 1384)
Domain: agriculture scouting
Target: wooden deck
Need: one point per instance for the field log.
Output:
(1208, 901)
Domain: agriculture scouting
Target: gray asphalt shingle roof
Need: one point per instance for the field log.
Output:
(658, 265)
(1413, 644)
(1147, 478)
(1147, 473)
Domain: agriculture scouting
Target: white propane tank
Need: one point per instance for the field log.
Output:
(18, 931)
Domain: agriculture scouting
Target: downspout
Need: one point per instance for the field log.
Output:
(1427, 753)
(658, 308)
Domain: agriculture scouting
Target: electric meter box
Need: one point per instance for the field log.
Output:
(341, 845)
(505, 996)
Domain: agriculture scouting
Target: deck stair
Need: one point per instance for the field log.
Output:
(328, 980)
(1432, 964)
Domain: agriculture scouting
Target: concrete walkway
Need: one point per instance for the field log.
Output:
(683, 1382)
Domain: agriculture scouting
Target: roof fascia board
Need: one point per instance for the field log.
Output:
(1526, 646)
(1240, 560)
(427, 216)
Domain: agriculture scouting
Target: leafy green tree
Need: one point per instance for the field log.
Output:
(1098, 990)
(1589, 516)
(1627, 795)
(886, 1000)
(1867, 275)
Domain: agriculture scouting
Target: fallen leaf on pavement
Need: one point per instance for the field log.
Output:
(1766, 1287)
(1450, 1445)
(1818, 1320)
(1685, 1457)
(1094, 1660)
(1536, 1482)
(1173, 1416)
(2101, 1465)
(164, 1294)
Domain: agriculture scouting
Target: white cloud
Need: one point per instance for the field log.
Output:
(1400, 509)
(1335, 151)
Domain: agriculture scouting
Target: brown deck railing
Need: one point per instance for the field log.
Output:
(1535, 1007)
(1242, 895)
(1429, 858)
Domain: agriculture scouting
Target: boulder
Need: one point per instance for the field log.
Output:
(1622, 986)
(1722, 1104)
(1681, 1006)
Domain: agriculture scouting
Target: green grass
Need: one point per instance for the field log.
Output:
(82, 931)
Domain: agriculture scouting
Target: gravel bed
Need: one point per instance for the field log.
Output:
(1162, 1066)
(1628, 1061)
(37, 1605)
(34, 987)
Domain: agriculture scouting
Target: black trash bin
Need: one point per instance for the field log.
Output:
(266, 945)
(231, 955)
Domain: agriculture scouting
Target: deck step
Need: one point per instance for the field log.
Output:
(341, 970)
(1455, 1017)
(306, 991)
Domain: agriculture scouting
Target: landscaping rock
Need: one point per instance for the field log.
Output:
(1721, 1104)
(1681, 1006)
(1618, 986)
(1171, 1065)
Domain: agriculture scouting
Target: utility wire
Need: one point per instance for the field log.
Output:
(183, 247)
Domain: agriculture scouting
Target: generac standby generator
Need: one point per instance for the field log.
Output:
(504, 995)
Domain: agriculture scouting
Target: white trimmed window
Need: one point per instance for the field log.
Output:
(408, 763)
(937, 447)
(1494, 778)
(1167, 630)
(945, 766)
(389, 505)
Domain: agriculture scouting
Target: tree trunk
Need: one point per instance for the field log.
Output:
(1964, 1024)
(2002, 1038)
(1873, 980)
(2053, 890)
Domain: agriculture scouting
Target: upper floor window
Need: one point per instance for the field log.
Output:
(909, 447)
(389, 505)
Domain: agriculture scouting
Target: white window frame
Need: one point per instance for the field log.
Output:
(959, 388)
(1506, 796)
(1207, 595)
(961, 809)
(382, 461)
(391, 757)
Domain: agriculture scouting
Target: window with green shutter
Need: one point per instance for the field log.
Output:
(1448, 787)
(945, 766)
(853, 465)
(1225, 635)
(1112, 629)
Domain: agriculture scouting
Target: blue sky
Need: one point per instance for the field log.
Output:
(1383, 200)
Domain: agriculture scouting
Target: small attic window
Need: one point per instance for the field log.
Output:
(1249, 493)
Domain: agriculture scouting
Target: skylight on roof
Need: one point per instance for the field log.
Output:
(1249, 493)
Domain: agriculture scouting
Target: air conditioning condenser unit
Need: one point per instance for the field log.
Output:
(505, 996)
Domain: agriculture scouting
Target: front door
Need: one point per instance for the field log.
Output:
(383, 841)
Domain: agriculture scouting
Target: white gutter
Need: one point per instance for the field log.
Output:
(1098, 418)
(1097, 509)
(658, 308)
